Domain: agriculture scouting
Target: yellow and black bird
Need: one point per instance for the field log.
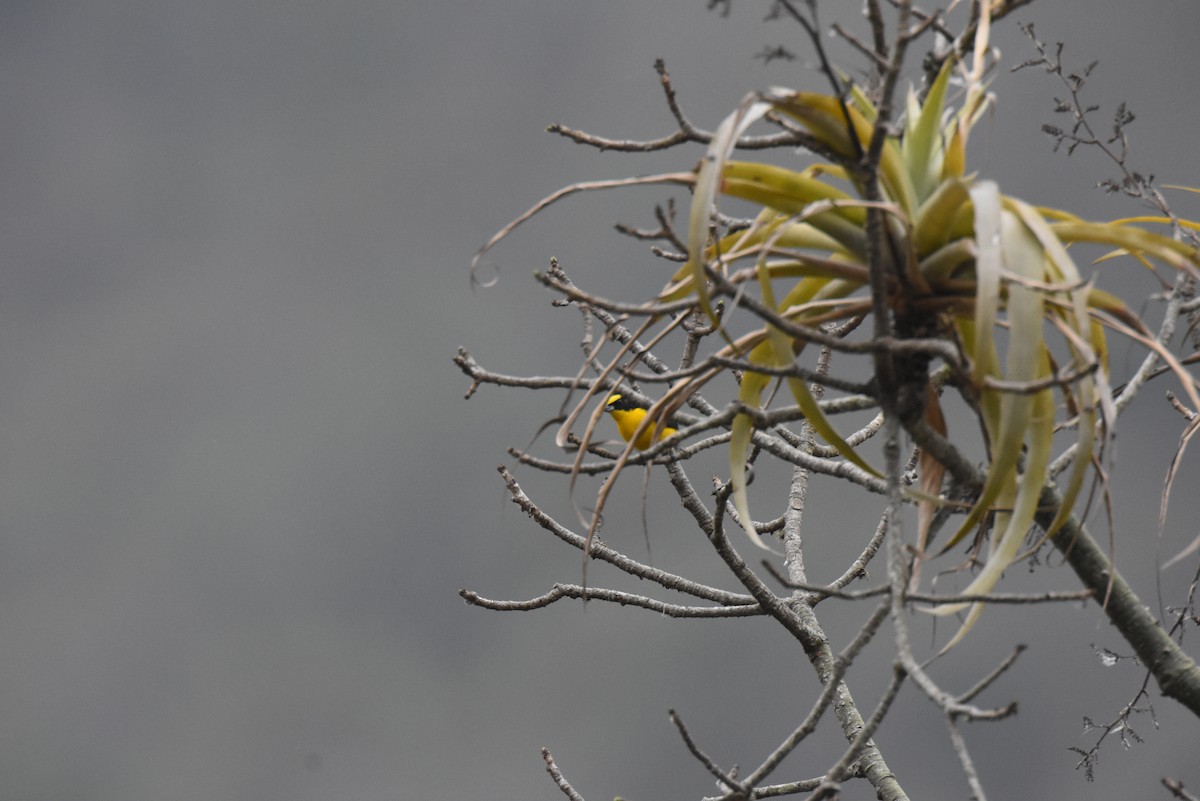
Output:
(627, 414)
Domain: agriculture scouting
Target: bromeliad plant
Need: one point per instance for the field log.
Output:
(965, 273)
(890, 225)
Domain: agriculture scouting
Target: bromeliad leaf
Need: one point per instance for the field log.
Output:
(922, 147)
(1003, 242)
(704, 196)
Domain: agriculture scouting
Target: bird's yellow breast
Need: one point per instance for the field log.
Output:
(628, 420)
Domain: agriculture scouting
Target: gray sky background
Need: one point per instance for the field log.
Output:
(240, 488)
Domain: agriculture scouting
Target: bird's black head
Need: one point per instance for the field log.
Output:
(620, 403)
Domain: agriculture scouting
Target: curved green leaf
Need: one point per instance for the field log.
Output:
(922, 146)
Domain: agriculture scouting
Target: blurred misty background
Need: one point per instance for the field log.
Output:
(240, 487)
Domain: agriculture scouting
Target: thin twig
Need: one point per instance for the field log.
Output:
(576, 591)
(688, 132)
(701, 757)
(964, 759)
(821, 591)
(987, 680)
(559, 779)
